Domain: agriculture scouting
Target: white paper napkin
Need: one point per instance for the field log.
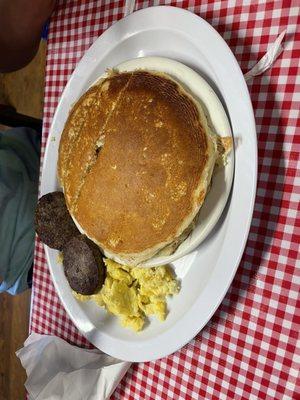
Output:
(57, 370)
(129, 7)
(268, 59)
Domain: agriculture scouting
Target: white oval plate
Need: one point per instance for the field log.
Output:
(207, 272)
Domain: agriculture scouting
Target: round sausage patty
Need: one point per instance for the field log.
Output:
(53, 222)
(83, 265)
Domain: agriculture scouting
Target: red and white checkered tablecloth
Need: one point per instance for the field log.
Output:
(249, 349)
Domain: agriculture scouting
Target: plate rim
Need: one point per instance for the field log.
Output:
(133, 350)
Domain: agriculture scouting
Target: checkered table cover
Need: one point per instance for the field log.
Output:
(249, 348)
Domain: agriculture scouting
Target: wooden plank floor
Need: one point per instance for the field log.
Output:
(24, 90)
(14, 320)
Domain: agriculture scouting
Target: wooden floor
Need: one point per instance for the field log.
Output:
(23, 90)
(14, 319)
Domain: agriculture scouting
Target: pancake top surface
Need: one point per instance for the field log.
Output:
(140, 189)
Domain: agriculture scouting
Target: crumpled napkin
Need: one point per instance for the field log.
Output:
(129, 7)
(57, 370)
(268, 59)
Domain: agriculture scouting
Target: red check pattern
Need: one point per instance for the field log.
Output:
(249, 349)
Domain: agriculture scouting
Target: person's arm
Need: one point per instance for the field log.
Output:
(21, 24)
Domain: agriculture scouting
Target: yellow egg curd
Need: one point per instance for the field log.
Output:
(132, 293)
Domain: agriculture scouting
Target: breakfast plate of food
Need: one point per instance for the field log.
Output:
(148, 183)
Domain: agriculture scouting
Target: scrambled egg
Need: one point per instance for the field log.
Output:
(133, 293)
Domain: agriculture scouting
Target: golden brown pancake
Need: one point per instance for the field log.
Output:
(77, 148)
(135, 163)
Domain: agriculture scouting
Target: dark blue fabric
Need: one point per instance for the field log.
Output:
(45, 31)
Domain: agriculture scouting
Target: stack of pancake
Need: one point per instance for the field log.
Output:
(135, 163)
